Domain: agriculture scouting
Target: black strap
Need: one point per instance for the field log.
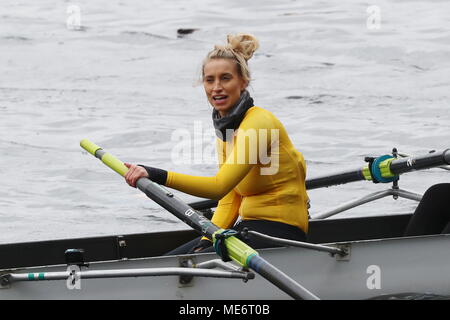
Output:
(219, 243)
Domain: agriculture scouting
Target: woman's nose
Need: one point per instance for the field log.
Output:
(217, 86)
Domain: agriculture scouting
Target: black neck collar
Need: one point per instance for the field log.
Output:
(232, 120)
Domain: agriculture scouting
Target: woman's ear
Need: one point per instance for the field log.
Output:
(244, 85)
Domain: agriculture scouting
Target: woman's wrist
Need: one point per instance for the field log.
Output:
(155, 174)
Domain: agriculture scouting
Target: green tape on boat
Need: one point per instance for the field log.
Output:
(36, 276)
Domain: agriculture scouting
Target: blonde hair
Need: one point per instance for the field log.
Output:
(240, 48)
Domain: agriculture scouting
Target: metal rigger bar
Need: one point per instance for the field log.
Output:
(124, 273)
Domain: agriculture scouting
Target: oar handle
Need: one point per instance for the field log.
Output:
(89, 146)
(105, 157)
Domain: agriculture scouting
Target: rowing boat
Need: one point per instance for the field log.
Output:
(378, 262)
(350, 258)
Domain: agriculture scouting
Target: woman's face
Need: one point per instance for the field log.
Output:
(223, 85)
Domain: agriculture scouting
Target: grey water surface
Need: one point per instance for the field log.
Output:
(345, 80)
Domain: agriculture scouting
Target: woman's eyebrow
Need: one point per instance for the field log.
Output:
(222, 74)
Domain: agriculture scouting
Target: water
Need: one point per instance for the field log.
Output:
(127, 82)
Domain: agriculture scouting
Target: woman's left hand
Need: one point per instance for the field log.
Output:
(201, 245)
(134, 174)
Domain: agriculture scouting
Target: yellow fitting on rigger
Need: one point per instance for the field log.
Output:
(385, 168)
(366, 173)
(238, 250)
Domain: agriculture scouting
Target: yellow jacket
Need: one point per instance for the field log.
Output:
(252, 183)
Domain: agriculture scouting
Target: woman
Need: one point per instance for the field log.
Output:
(255, 192)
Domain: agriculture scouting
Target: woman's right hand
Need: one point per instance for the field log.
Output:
(201, 245)
(134, 174)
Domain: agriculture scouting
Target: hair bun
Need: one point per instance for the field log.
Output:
(245, 44)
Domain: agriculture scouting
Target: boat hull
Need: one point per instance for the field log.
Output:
(372, 268)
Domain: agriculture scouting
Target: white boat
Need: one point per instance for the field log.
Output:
(379, 261)
(350, 258)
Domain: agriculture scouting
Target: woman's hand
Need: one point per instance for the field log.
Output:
(201, 245)
(134, 174)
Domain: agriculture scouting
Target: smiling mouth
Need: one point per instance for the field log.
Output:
(219, 98)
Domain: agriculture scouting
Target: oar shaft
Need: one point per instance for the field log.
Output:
(395, 167)
(430, 160)
(279, 279)
(177, 207)
(335, 179)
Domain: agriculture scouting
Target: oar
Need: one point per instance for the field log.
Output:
(237, 250)
(382, 169)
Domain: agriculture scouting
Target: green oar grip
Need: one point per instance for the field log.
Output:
(114, 164)
(106, 157)
(89, 146)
